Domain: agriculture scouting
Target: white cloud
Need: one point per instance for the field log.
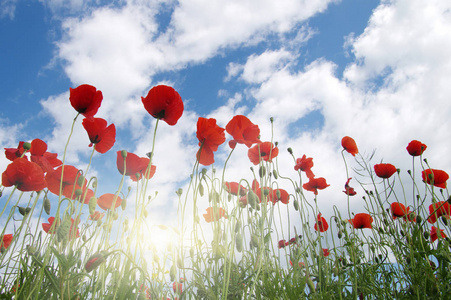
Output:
(7, 8)
(404, 47)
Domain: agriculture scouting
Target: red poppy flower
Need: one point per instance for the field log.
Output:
(265, 193)
(398, 210)
(99, 134)
(300, 264)
(315, 184)
(6, 240)
(243, 130)
(434, 234)
(349, 145)
(163, 102)
(106, 201)
(69, 182)
(26, 175)
(46, 160)
(214, 214)
(136, 167)
(232, 144)
(384, 170)
(255, 185)
(97, 215)
(435, 177)
(210, 136)
(47, 227)
(177, 287)
(321, 224)
(234, 188)
(280, 195)
(436, 210)
(292, 240)
(264, 151)
(362, 220)
(94, 261)
(349, 190)
(282, 244)
(305, 164)
(14, 153)
(86, 100)
(416, 148)
(326, 252)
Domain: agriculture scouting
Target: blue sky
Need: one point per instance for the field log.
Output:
(378, 71)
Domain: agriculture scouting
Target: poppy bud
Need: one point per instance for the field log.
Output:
(254, 240)
(239, 242)
(124, 154)
(419, 219)
(290, 150)
(238, 225)
(201, 189)
(26, 146)
(92, 205)
(274, 172)
(444, 220)
(179, 262)
(340, 234)
(24, 210)
(262, 171)
(172, 273)
(31, 250)
(179, 192)
(124, 204)
(251, 198)
(296, 204)
(149, 154)
(191, 253)
(80, 180)
(426, 235)
(78, 192)
(94, 261)
(310, 284)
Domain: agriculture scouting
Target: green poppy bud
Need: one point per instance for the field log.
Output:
(419, 219)
(172, 273)
(123, 204)
(310, 284)
(296, 204)
(239, 242)
(201, 189)
(80, 180)
(24, 210)
(262, 171)
(92, 205)
(276, 176)
(124, 154)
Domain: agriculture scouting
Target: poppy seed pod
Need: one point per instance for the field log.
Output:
(26, 146)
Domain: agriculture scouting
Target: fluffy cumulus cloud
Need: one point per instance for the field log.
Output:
(394, 92)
